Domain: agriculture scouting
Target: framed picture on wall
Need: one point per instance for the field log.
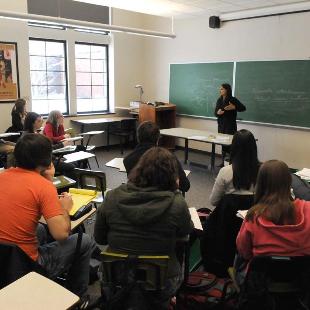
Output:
(9, 82)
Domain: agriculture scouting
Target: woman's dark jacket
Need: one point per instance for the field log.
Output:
(227, 122)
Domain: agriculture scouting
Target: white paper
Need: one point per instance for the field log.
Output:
(195, 218)
(117, 163)
(242, 213)
(304, 173)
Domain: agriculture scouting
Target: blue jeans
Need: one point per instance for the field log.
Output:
(58, 257)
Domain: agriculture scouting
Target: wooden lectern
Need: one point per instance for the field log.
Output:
(164, 115)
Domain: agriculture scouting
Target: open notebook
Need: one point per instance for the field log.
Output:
(81, 198)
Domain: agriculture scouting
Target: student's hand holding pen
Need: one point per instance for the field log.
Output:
(66, 201)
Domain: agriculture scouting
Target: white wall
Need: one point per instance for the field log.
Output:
(271, 38)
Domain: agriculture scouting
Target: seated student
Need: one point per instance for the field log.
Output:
(26, 194)
(301, 188)
(18, 113)
(239, 177)
(54, 127)
(148, 135)
(33, 123)
(276, 224)
(7, 149)
(148, 214)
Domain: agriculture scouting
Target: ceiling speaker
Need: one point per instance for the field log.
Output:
(214, 22)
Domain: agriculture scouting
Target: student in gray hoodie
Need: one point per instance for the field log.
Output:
(148, 214)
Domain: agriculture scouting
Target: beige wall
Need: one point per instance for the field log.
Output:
(272, 38)
(15, 31)
(145, 60)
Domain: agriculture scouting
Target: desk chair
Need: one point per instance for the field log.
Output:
(130, 280)
(15, 263)
(276, 282)
(94, 180)
(124, 130)
(90, 135)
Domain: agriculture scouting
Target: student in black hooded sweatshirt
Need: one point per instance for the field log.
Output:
(148, 135)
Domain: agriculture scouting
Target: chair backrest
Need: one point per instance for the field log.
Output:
(121, 270)
(15, 263)
(222, 226)
(271, 276)
(128, 124)
(89, 179)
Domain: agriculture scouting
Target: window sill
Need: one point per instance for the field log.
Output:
(89, 114)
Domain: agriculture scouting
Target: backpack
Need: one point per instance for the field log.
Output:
(203, 290)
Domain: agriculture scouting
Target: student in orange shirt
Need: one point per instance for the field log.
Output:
(26, 194)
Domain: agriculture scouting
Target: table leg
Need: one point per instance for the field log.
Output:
(82, 130)
(108, 136)
(186, 152)
(212, 156)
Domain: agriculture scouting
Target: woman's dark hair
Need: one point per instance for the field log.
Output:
(156, 168)
(30, 119)
(228, 89)
(33, 151)
(19, 106)
(273, 198)
(243, 157)
(148, 132)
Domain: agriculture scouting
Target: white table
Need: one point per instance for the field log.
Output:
(77, 156)
(118, 163)
(9, 134)
(35, 292)
(103, 121)
(200, 136)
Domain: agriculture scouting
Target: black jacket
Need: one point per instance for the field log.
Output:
(132, 159)
(227, 122)
(143, 221)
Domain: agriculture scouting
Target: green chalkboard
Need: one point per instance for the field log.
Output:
(275, 92)
(194, 88)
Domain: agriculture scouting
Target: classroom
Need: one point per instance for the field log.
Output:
(141, 58)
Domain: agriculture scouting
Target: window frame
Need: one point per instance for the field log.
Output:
(108, 81)
(67, 113)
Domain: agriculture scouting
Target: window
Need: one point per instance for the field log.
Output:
(91, 64)
(48, 71)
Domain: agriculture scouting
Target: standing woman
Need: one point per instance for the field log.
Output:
(226, 110)
(54, 127)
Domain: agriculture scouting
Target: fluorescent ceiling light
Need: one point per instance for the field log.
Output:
(153, 7)
(267, 11)
(72, 23)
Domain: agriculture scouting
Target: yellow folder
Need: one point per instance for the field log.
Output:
(81, 197)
